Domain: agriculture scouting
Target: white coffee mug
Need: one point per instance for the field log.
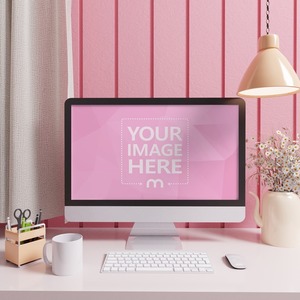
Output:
(66, 254)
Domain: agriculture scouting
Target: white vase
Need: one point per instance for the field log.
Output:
(280, 220)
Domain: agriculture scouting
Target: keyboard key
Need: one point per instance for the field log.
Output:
(144, 269)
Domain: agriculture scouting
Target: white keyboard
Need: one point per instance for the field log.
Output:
(157, 261)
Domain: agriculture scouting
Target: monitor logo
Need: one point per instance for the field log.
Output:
(154, 152)
(154, 182)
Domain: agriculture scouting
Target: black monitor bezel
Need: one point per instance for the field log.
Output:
(155, 101)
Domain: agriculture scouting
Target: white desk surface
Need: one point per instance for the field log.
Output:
(272, 273)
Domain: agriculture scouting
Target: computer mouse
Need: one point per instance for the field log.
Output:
(236, 261)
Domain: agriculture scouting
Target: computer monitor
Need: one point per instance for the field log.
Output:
(155, 160)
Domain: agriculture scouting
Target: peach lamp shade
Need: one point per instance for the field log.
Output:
(270, 73)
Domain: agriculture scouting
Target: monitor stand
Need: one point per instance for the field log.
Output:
(153, 236)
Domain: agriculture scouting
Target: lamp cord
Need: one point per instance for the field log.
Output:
(268, 17)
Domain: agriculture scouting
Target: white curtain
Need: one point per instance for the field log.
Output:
(34, 83)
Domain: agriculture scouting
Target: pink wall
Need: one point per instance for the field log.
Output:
(182, 48)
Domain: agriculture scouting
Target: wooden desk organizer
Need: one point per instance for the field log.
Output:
(25, 244)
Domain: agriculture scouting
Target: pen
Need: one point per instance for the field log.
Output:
(8, 226)
(40, 216)
(36, 219)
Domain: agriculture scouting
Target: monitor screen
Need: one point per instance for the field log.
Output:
(155, 152)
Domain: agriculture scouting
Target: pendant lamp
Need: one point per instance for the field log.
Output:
(270, 73)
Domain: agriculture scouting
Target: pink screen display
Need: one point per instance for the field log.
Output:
(154, 152)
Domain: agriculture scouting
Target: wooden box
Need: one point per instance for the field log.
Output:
(25, 244)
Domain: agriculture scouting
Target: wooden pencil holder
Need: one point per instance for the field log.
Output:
(25, 244)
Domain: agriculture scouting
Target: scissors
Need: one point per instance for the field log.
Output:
(19, 215)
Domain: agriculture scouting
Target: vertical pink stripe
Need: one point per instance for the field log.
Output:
(222, 225)
(75, 43)
(258, 18)
(187, 41)
(295, 34)
(205, 48)
(151, 48)
(258, 99)
(81, 56)
(116, 224)
(99, 48)
(81, 48)
(134, 48)
(295, 102)
(223, 73)
(187, 48)
(116, 48)
(297, 107)
(170, 48)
